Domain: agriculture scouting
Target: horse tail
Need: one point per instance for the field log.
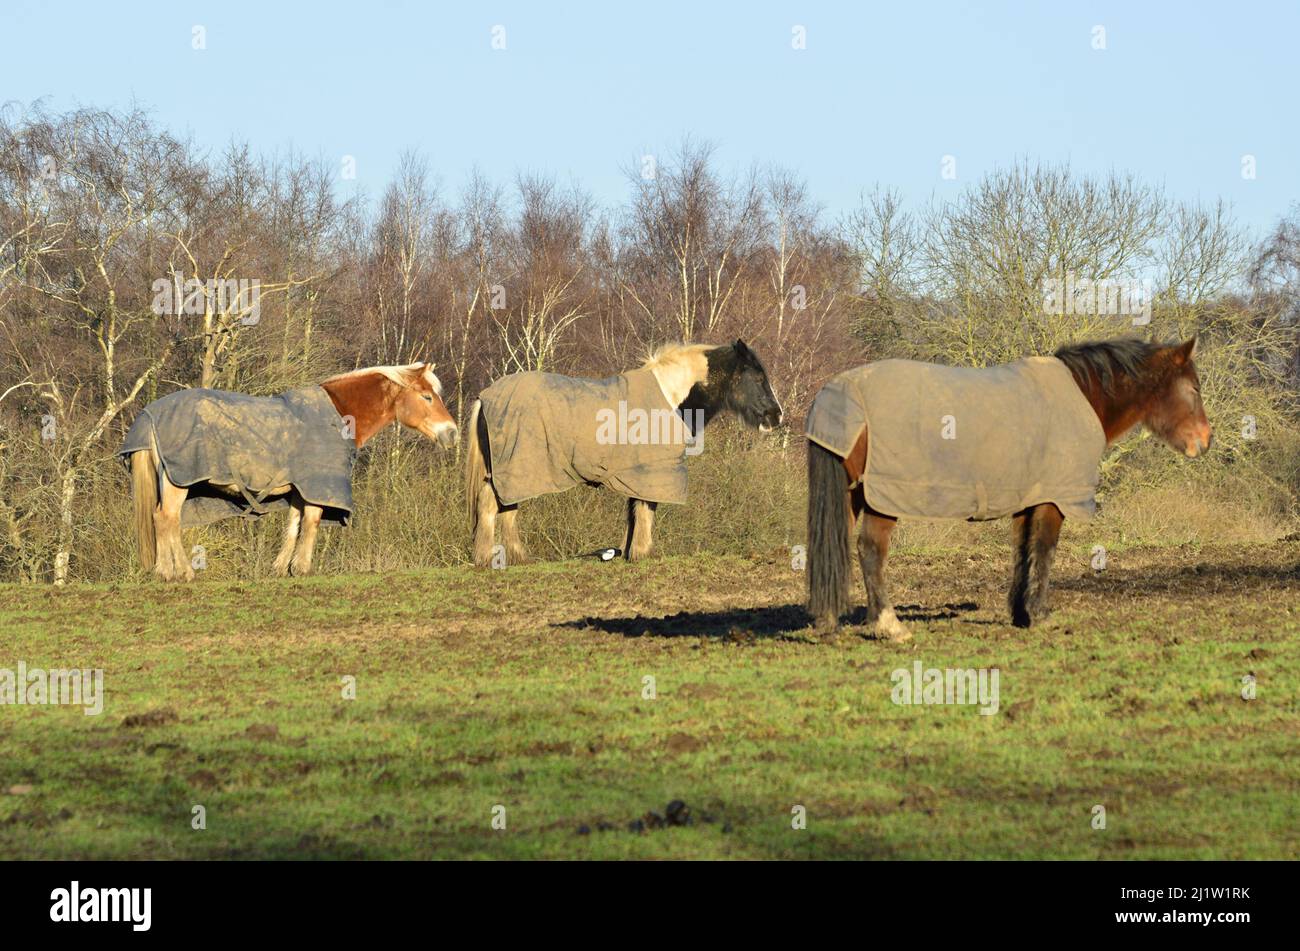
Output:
(144, 492)
(829, 568)
(475, 467)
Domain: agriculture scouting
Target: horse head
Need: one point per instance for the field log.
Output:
(748, 391)
(735, 381)
(419, 406)
(1131, 382)
(1175, 413)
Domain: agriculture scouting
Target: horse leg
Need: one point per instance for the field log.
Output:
(291, 528)
(301, 564)
(173, 564)
(485, 525)
(1048, 520)
(640, 529)
(516, 554)
(1036, 532)
(874, 531)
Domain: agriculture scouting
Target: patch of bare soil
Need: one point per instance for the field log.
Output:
(151, 718)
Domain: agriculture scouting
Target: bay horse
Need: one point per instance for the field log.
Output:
(210, 454)
(544, 422)
(1126, 383)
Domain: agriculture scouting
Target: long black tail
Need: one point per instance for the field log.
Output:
(829, 569)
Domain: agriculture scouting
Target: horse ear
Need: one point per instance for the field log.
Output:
(1183, 351)
(740, 347)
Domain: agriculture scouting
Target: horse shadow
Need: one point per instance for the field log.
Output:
(776, 622)
(919, 612)
(1200, 577)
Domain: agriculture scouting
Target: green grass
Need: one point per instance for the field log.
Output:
(523, 688)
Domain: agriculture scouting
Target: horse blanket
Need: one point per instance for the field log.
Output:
(548, 433)
(954, 442)
(251, 442)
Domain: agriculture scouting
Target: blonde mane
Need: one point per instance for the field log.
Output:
(405, 376)
(678, 367)
(670, 354)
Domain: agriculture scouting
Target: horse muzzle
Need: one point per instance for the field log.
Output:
(770, 420)
(1198, 445)
(447, 436)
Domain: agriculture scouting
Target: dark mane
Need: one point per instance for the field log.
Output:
(1105, 360)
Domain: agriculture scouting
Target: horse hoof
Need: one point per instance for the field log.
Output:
(826, 630)
(889, 627)
(1046, 622)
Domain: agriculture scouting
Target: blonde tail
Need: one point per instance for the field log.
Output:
(144, 491)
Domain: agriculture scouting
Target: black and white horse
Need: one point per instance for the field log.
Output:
(694, 381)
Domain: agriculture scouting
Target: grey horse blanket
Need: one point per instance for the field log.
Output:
(251, 442)
(954, 442)
(548, 433)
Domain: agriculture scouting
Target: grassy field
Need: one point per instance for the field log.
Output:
(525, 689)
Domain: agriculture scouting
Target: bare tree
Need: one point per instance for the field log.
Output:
(469, 254)
(1274, 278)
(546, 252)
(988, 256)
(691, 238)
(106, 181)
(408, 216)
(882, 239)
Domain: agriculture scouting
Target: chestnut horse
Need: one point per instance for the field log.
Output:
(697, 380)
(366, 401)
(1127, 382)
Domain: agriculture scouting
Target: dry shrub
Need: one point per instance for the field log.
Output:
(747, 495)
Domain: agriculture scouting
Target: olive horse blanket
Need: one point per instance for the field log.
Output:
(547, 433)
(953, 442)
(251, 442)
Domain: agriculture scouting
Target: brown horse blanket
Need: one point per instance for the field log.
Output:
(954, 442)
(251, 442)
(548, 433)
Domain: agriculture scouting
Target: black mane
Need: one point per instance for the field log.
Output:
(1108, 359)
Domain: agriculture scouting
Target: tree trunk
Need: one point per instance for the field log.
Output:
(67, 494)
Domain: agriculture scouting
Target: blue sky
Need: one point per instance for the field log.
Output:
(880, 94)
